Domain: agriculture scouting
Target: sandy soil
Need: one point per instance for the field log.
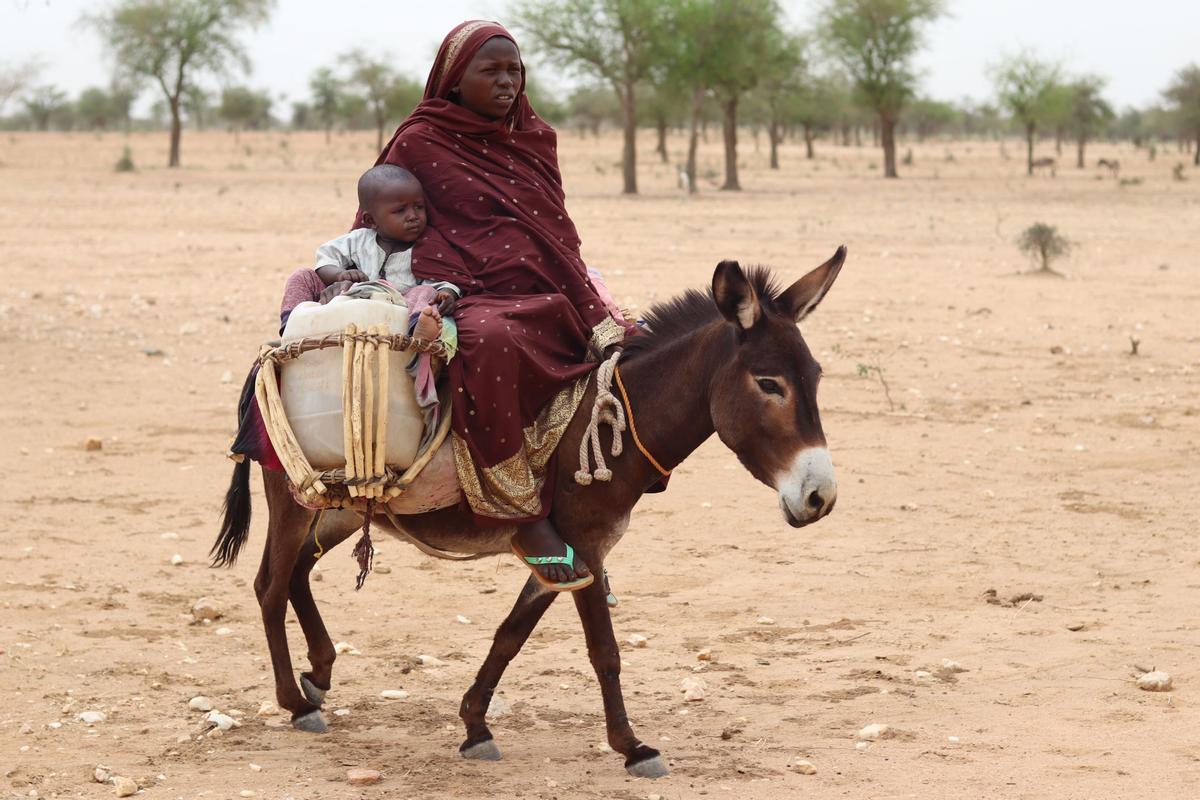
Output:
(1027, 452)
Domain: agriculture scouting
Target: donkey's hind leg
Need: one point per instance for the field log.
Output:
(510, 637)
(328, 530)
(286, 531)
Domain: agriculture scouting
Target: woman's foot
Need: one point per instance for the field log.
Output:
(553, 562)
(429, 324)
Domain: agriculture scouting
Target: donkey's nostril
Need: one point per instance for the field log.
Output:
(815, 501)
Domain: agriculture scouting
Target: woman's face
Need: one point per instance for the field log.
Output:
(489, 86)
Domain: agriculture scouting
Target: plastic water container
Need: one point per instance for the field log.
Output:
(311, 385)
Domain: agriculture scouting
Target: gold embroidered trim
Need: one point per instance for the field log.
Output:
(608, 332)
(511, 489)
(456, 45)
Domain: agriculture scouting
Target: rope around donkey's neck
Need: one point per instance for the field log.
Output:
(606, 410)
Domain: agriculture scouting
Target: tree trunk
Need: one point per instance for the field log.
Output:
(857, 136)
(1030, 128)
(774, 135)
(379, 134)
(329, 134)
(1196, 160)
(694, 138)
(808, 141)
(730, 131)
(1080, 144)
(176, 132)
(845, 136)
(660, 123)
(887, 137)
(1058, 139)
(629, 154)
(876, 137)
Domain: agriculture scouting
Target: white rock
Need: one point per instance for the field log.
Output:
(705, 654)
(176, 560)
(206, 609)
(126, 787)
(246, 793)
(255, 767)
(637, 640)
(952, 666)
(922, 674)
(223, 722)
(223, 631)
(765, 621)
(226, 377)
(693, 689)
(499, 707)
(1156, 681)
(804, 767)
(430, 661)
(169, 535)
(267, 709)
(861, 745)
(874, 731)
(341, 712)
(92, 717)
(102, 774)
(461, 620)
(25, 728)
(345, 648)
(393, 694)
(200, 703)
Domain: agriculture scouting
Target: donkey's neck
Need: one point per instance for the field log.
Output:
(669, 389)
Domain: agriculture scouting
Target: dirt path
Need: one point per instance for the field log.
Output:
(1026, 452)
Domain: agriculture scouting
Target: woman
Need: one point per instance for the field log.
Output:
(489, 166)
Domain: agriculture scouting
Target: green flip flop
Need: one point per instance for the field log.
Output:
(566, 560)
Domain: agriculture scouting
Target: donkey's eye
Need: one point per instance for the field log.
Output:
(770, 386)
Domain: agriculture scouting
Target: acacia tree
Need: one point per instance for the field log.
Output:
(374, 79)
(170, 41)
(243, 108)
(15, 79)
(1025, 86)
(875, 40)
(326, 98)
(42, 104)
(613, 41)
(1089, 112)
(785, 82)
(93, 109)
(1184, 93)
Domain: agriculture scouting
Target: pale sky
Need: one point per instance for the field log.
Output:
(1136, 45)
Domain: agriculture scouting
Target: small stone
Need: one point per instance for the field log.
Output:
(949, 665)
(908, 506)
(637, 640)
(804, 767)
(952, 739)
(345, 648)
(654, 797)
(430, 661)
(223, 722)
(206, 609)
(1156, 681)
(93, 443)
(169, 535)
(861, 745)
(200, 703)
(1075, 626)
(267, 709)
(875, 731)
(499, 707)
(246, 793)
(705, 655)
(363, 777)
(25, 728)
(223, 631)
(383, 569)
(922, 674)
(92, 717)
(341, 712)
(176, 560)
(693, 689)
(126, 787)
(393, 694)
(765, 621)
(461, 620)
(226, 377)
(102, 774)
(255, 767)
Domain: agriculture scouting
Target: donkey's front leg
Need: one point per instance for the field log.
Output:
(641, 761)
(510, 637)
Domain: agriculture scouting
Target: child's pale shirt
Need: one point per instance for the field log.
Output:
(360, 250)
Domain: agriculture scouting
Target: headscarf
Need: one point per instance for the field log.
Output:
(493, 187)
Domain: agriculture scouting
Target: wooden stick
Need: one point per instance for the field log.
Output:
(356, 414)
(295, 463)
(381, 423)
(368, 440)
(347, 393)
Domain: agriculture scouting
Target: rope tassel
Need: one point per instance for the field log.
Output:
(606, 410)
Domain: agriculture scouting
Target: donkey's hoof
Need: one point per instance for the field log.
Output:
(313, 693)
(653, 767)
(481, 751)
(312, 722)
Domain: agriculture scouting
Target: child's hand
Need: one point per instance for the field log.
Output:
(445, 301)
(352, 275)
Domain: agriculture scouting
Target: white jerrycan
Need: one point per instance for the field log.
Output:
(311, 385)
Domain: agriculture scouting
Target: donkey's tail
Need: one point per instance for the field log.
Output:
(235, 526)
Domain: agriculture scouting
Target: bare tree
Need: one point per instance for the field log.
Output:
(15, 79)
(875, 40)
(169, 41)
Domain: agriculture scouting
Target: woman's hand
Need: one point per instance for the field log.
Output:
(445, 301)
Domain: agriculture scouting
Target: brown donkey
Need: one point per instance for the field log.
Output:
(731, 361)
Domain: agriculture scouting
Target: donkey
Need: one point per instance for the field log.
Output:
(730, 361)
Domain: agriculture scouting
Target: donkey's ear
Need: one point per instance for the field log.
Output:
(802, 296)
(734, 295)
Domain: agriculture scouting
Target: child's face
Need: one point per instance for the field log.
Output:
(398, 212)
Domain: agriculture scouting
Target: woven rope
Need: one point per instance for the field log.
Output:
(394, 341)
(606, 410)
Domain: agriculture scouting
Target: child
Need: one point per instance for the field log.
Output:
(394, 218)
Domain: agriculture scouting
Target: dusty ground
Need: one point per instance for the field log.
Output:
(1027, 451)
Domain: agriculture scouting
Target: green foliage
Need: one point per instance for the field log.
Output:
(387, 95)
(44, 103)
(243, 108)
(94, 109)
(327, 92)
(1044, 244)
(1184, 95)
(1089, 112)
(1026, 87)
(930, 117)
(125, 162)
(589, 107)
(15, 79)
(875, 40)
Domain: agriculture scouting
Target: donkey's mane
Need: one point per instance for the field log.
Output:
(675, 318)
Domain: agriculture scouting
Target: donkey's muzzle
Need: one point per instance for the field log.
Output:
(808, 490)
